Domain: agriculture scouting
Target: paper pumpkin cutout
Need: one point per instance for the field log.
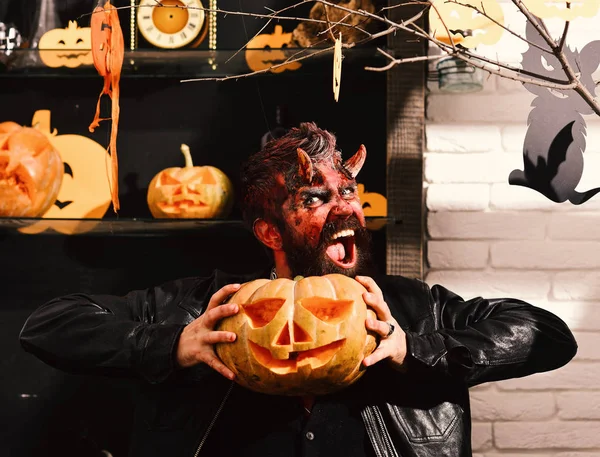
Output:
(555, 139)
(374, 205)
(277, 45)
(69, 47)
(85, 192)
(466, 25)
(558, 8)
(298, 337)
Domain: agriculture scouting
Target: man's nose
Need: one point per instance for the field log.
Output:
(341, 208)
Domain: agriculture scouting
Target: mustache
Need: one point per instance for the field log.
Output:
(331, 228)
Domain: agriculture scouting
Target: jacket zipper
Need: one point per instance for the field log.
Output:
(214, 419)
(382, 442)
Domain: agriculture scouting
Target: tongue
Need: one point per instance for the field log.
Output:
(336, 252)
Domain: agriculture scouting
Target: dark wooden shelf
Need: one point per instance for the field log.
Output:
(134, 226)
(186, 63)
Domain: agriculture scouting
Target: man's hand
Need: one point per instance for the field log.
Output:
(392, 347)
(196, 343)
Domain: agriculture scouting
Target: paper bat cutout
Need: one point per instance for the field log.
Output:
(555, 139)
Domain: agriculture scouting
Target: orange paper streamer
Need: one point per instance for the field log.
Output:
(108, 51)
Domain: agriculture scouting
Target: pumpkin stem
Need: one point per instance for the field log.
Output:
(185, 149)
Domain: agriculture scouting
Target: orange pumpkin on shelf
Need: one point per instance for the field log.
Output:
(31, 171)
(191, 192)
(299, 337)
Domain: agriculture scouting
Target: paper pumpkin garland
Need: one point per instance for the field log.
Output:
(266, 50)
(84, 192)
(298, 337)
(69, 47)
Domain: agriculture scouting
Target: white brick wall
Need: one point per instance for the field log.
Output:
(488, 238)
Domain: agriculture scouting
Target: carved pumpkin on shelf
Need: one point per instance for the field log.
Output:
(31, 171)
(298, 337)
(85, 190)
(69, 47)
(266, 50)
(464, 24)
(202, 192)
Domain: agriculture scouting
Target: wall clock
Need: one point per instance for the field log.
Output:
(172, 24)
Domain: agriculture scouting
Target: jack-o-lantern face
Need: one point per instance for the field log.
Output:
(31, 171)
(566, 10)
(190, 192)
(68, 47)
(298, 337)
(466, 26)
(278, 54)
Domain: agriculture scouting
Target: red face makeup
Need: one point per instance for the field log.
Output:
(324, 224)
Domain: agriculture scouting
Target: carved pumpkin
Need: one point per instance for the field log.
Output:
(68, 47)
(467, 26)
(558, 8)
(202, 192)
(278, 42)
(31, 171)
(298, 337)
(85, 190)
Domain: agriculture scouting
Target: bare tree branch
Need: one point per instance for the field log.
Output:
(411, 26)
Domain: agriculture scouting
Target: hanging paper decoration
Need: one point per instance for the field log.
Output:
(108, 51)
(555, 139)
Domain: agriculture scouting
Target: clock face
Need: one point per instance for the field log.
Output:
(172, 23)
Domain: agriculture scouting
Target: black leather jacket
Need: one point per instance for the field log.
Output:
(421, 411)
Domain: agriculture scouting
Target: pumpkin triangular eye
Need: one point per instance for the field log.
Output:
(327, 309)
(167, 180)
(262, 312)
(206, 176)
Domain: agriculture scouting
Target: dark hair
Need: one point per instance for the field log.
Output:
(261, 185)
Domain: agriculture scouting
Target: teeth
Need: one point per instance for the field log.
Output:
(343, 233)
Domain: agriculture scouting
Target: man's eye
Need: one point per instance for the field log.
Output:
(312, 200)
(348, 192)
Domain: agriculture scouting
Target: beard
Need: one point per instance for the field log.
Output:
(306, 260)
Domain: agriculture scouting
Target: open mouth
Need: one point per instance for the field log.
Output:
(342, 249)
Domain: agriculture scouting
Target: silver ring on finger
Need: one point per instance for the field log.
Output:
(391, 330)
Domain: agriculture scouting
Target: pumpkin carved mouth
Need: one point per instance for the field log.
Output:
(313, 358)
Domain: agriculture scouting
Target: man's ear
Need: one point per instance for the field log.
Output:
(268, 234)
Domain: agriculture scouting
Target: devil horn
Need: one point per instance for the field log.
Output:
(305, 167)
(354, 164)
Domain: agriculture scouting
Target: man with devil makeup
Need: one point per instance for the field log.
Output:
(300, 199)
